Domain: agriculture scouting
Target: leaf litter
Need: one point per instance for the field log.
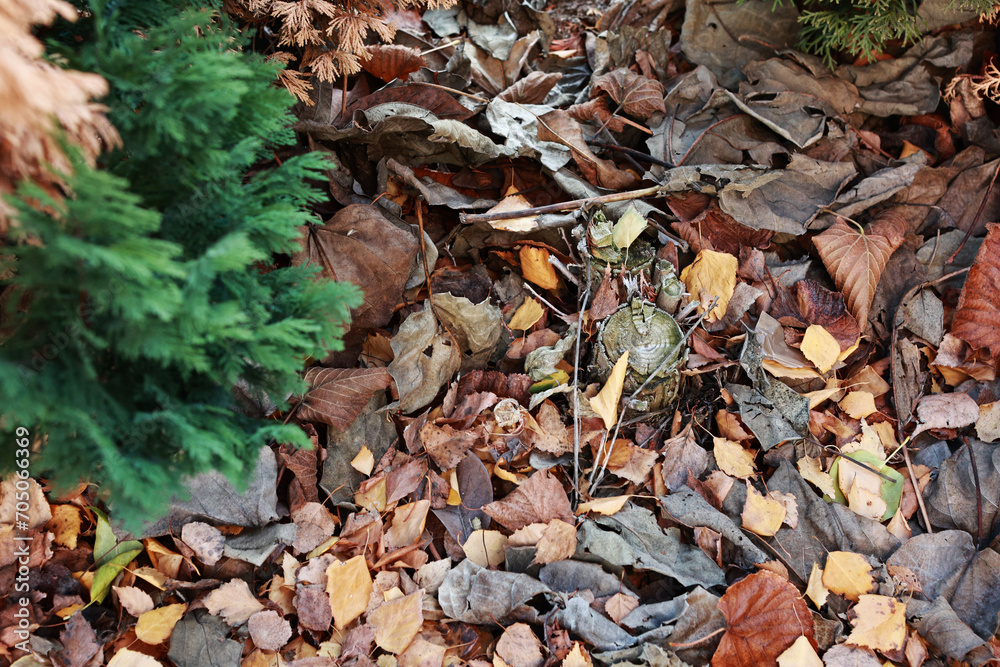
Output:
(802, 473)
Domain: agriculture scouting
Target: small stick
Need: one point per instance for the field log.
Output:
(645, 157)
(451, 90)
(468, 219)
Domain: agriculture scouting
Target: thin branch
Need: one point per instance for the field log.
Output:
(470, 218)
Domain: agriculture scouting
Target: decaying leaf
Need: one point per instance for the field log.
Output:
(764, 616)
(338, 395)
(977, 319)
(880, 623)
(538, 500)
(638, 96)
(856, 259)
(233, 601)
(269, 630)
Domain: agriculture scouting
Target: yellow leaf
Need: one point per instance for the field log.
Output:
(812, 472)
(762, 515)
(848, 574)
(815, 590)
(605, 403)
(154, 577)
(558, 543)
(527, 315)
(398, 621)
(628, 228)
(349, 585)
(880, 624)
(364, 462)
(606, 506)
(820, 347)
(514, 202)
(578, 657)
(820, 395)
(65, 525)
(711, 275)
(858, 404)
(156, 625)
(733, 459)
(422, 653)
(791, 372)
(485, 547)
(800, 654)
(535, 267)
(373, 497)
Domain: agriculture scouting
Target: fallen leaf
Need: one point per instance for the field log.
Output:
(764, 616)
(631, 462)
(398, 621)
(338, 395)
(364, 461)
(682, 455)
(206, 541)
(531, 89)
(815, 590)
(844, 655)
(732, 459)
(848, 574)
(856, 259)
(558, 542)
(606, 506)
(536, 268)
(761, 514)
(577, 657)
(134, 600)
(800, 654)
(628, 228)
(407, 524)
(638, 96)
(445, 445)
(858, 404)
(820, 347)
(956, 410)
(987, 427)
(233, 601)
(514, 201)
(156, 626)
(518, 646)
(348, 585)
(65, 525)
(526, 315)
(422, 653)
(812, 472)
(538, 500)
(128, 658)
(712, 275)
(269, 630)
(559, 127)
(485, 548)
(605, 404)
(880, 624)
(620, 605)
(392, 61)
(977, 318)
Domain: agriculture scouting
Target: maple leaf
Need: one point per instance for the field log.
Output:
(637, 95)
(764, 616)
(338, 395)
(978, 316)
(856, 259)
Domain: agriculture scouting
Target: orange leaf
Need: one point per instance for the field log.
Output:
(764, 616)
(856, 259)
(392, 61)
(536, 267)
(349, 585)
(978, 316)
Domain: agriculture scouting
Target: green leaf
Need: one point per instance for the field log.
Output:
(106, 574)
(891, 490)
(628, 228)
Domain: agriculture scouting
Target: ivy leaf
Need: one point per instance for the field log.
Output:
(637, 95)
(978, 316)
(856, 259)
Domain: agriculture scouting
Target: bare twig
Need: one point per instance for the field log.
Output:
(468, 219)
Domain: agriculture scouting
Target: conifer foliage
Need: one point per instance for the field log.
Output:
(143, 296)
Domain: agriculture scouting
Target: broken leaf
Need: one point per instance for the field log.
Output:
(628, 228)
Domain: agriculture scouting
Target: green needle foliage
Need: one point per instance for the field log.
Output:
(142, 298)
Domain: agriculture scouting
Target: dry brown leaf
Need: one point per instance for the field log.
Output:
(559, 127)
(207, 542)
(538, 500)
(422, 653)
(682, 455)
(520, 647)
(977, 319)
(619, 606)
(715, 229)
(338, 395)
(445, 445)
(398, 621)
(558, 542)
(606, 506)
(764, 616)
(856, 260)
(435, 100)
(156, 625)
(312, 605)
(407, 524)
(269, 630)
(631, 462)
(638, 96)
(392, 61)
(548, 433)
(348, 585)
(233, 601)
(531, 89)
(956, 410)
